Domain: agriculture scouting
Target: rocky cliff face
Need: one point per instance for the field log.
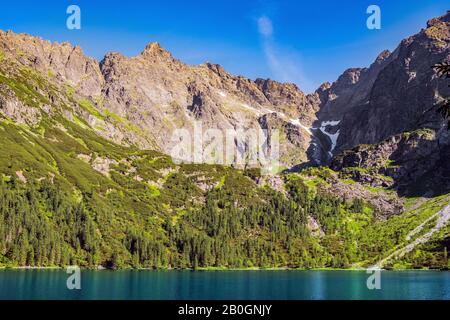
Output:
(385, 116)
(63, 62)
(154, 94)
(395, 94)
(417, 162)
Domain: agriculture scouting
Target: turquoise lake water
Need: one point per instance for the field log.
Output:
(174, 285)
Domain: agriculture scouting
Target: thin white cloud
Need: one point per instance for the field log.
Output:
(284, 65)
(265, 26)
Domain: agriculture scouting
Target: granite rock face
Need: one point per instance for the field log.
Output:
(395, 94)
(386, 115)
(417, 162)
(156, 94)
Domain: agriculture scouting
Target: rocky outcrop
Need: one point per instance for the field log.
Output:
(293, 141)
(63, 62)
(13, 108)
(288, 97)
(395, 94)
(417, 162)
(384, 203)
(380, 123)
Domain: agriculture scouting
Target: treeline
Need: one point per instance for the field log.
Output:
(269, 233)
(41, 225)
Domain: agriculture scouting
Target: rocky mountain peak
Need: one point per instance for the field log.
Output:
(324, 86)
(280, 93)
(439, 20)
(272, 84)
(438, 29)
(322, 91)
(393, 95)
(350, 76)
(217, 69)
(113, 56)
(383, 56)
(154, 51)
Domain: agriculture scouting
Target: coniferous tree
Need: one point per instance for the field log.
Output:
(443, 70)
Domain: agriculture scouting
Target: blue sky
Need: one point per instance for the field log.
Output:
(305, 42)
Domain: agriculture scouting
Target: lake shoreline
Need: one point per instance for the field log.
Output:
(2, 268)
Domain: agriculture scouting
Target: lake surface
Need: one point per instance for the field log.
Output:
(174, 285)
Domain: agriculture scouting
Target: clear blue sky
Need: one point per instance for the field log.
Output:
(306, 42)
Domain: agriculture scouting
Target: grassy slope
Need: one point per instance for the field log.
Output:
(375, 239)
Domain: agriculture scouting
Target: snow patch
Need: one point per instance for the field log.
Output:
(222, 94)
(333, 137)
(332, 123)
(297, 123)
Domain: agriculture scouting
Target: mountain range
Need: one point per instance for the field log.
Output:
(364, 162)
